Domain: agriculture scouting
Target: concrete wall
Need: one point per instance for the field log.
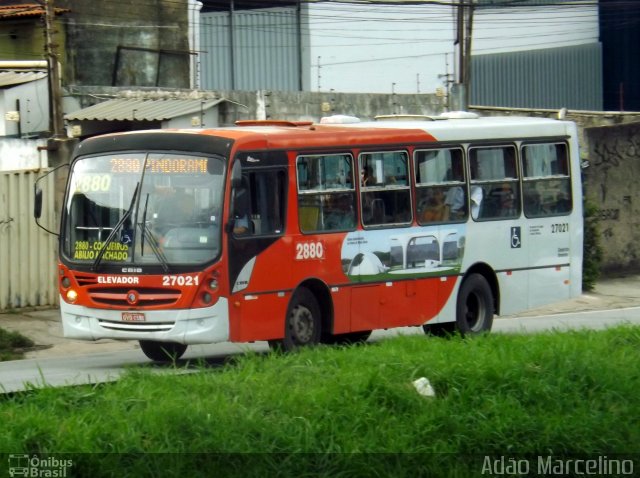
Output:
(297, 105)
(611, 182)
(107, 40)
(22, 39)
(285, 105)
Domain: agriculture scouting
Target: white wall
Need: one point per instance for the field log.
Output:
(22, 154)
(404, 48)
(34, 108)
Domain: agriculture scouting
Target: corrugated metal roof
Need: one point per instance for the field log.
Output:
(12, 77)
(131, 109)
(26, 10)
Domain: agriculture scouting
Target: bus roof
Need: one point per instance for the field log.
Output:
(482, 128)
(256, 134)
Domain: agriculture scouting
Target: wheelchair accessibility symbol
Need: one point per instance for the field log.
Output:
(515, 238)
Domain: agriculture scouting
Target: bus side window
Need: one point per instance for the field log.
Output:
(441, 191)
(546, 181)
(331, 205)
(493, 168)
(259, 203)
(385, 195)
(242, 208)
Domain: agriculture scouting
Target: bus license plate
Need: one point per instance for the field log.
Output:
(133, 317)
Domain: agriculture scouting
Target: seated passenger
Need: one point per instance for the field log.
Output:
(367, 177)
(341, 215)
(435, 209)
(476, 201)
(455, 200)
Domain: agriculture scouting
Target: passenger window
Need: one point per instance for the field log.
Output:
(440, 186)
(494, 192)
(385, 195)
(326, 193)
(259, 203)
(546, 181)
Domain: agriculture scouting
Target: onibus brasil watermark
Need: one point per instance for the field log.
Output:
(555, 466)
(38, 467)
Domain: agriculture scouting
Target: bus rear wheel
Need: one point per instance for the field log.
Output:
(474, 311)
(302, 324)
(162, 351)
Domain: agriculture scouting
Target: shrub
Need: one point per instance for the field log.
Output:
(592, 249)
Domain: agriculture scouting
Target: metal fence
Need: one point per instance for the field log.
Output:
(27, 253)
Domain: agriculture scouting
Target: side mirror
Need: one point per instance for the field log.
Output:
(37, 198)
(236, 174)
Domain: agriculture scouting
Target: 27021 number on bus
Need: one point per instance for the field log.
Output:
(562, 227)
(179, 280)
(309, 250)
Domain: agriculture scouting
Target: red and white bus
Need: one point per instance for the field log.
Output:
(299, 233)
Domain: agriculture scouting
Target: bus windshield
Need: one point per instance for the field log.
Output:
(144, 209)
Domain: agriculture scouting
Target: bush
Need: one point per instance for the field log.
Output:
(592, 249)
(12, 344)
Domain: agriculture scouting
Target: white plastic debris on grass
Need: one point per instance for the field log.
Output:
(424, 388)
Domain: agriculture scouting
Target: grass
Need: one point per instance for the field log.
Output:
(13, 345)
(349, 411)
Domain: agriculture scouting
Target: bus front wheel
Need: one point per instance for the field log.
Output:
(162, 351)
(474, 311)
(302, 323)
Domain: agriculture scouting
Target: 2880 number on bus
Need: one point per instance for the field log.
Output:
(309, 250)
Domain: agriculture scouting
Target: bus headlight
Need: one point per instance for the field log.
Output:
(66, 282)
(72, 295)
(213, 284)
(206, 298)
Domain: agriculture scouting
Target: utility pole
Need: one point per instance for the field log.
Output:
(464, 33)
(59, 146)
(56, 120)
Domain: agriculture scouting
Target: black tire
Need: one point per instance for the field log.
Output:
(303, 323)
(162, 351)
(474, 311)
(348, 338)
(445, 329)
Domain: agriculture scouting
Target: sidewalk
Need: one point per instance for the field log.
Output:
(43, 326)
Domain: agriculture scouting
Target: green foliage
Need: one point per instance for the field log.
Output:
(12, 345)
(350, 411)
(592, 248)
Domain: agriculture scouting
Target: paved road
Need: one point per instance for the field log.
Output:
(107, 366)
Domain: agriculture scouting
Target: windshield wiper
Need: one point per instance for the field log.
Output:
(144, 222)
(153, 242)
(117, 227)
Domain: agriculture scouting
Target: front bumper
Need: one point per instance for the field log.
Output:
(184, 326)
